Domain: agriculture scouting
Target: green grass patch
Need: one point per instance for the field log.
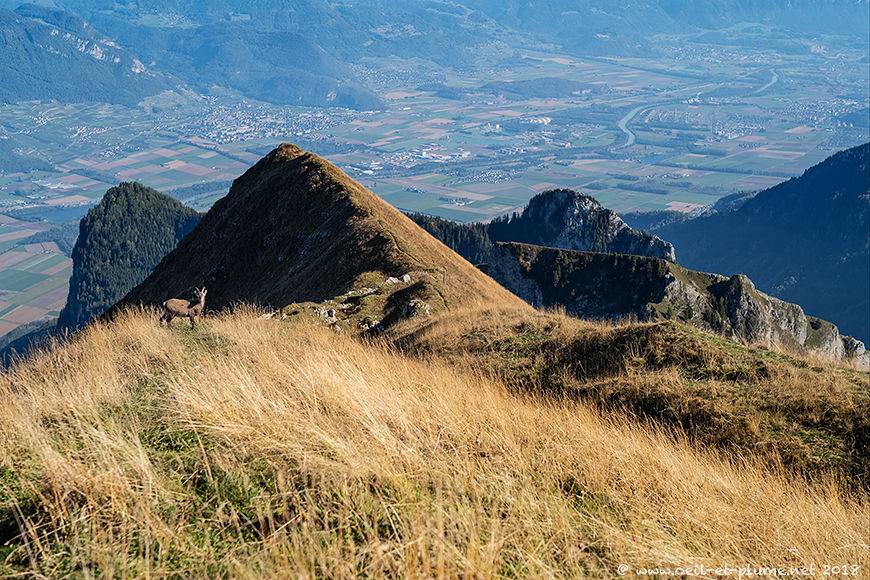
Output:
(18, 280)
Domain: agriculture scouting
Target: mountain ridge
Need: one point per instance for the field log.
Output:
(294, 228)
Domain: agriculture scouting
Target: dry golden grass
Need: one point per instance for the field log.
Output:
(811, 416)
(255, 448)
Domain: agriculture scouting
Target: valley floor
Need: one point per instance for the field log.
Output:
(259, 448)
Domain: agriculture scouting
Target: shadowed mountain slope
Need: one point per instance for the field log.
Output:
(294, 228)
(806, 240)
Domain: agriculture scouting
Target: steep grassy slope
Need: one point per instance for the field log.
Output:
(294, 228)
(255, 448)
(796, 411)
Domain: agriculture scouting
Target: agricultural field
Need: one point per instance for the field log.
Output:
(34, 278)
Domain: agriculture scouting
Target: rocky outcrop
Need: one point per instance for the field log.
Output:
(560, 218)
(566, 219)
(595, 285)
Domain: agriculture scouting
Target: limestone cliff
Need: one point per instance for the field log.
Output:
(566, 219)
(594, 285)
(560, 218)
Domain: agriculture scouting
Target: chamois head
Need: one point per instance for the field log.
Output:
(200, 293)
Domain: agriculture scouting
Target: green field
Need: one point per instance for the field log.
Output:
(18, 280)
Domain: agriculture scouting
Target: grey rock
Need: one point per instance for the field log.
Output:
(573, 221)
(327, 314)
(415, 308)
(617, 286)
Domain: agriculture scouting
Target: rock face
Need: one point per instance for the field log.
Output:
(120, 240)
(563, 218)
(559, 218)
(295, 229)
(594, 285)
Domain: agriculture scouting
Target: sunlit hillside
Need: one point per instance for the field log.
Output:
(256, 448)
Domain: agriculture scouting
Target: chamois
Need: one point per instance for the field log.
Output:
(184, 308)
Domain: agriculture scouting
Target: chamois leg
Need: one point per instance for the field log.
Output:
(169, 318)
(192, 322)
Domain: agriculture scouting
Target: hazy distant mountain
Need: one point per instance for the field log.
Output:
(613, 26)
(49, 54)
(458, 33)
(445, 32)
(270, 65)
(809, 16)
(806, 240)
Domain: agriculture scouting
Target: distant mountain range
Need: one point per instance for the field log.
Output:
(445, 32)
(298, 52)
(68, 60)
(806, 240)
(610, 28)
(454, 32)
(51, 52)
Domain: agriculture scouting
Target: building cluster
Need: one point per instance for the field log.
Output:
(433, 152)
(245, 122)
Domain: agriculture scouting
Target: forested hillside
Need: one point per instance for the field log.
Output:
(120, 241)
